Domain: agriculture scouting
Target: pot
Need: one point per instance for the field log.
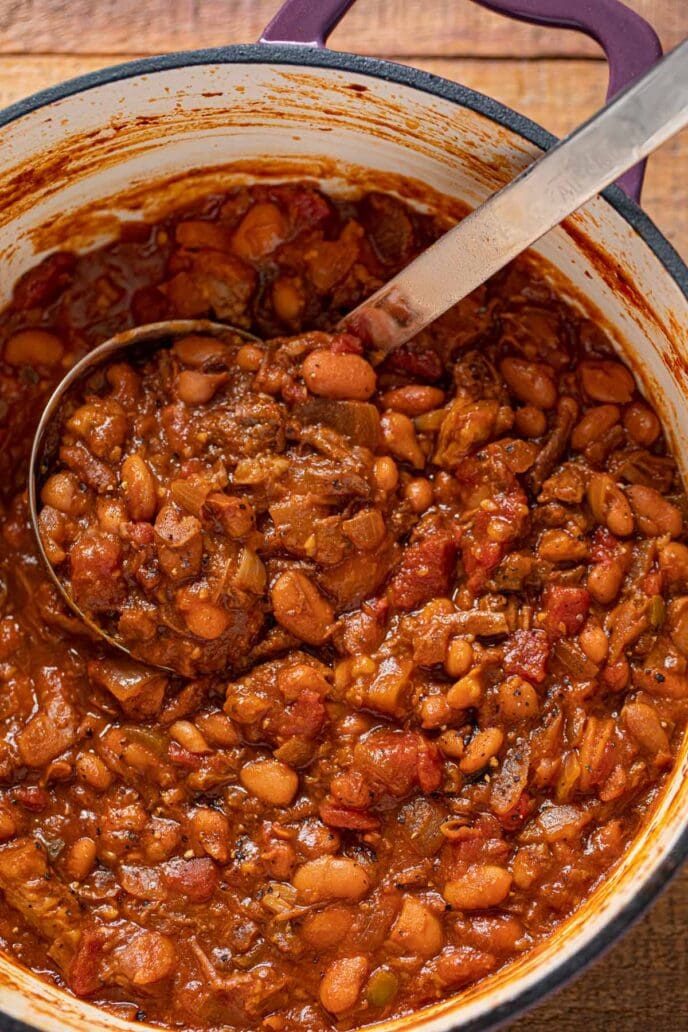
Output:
(134, 139)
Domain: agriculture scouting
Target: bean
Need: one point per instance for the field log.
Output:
(641, 424)
(91, 769)
(517, 699)
(218, 728)
(673, 562)
(111, 514)
(189, 737)
(271, 781)
(677, 623)
(594, 643)
(644, 724)
(531, 382)
(80, 858)
(480, 887)
(62, 492)
(342, 983)
(341, 376)
(323, 929)
(416, 929)
(604, 380)
(594, 424)
(8, 825)
(386, 473)
(413, 400)
(300, 608)
(459, 657)
(288, 298)
(610, 505)
(249, 358)
(468, 690)
(197, 388)
(331, 877)
(419, 494)
(654, 514)
(400, 437)
(262, 229)
(435, 711)
(197, 351)
(33, 347)
(451, 743)
(139, 488)
(206, 620)
(605, 580)
(559, 546)
(530, 421)
(481, 749)
(212, 831)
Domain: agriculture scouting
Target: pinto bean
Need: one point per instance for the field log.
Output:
(331, 877)
(416, 929)
(61, 491)
(187, 735)
(480, 887)
(400, 437)
(263, 228)
(340, 376)
(531, 382)
(594, 424)
(138, 485)
(33, 347)
(605, 580)
(517, 699)
(609, 504)
(530, 421)
(593, 641)
(481, 749)
(673, 562)
(642, 721)
(342, 983)
(641, 424)
(419, 494)
(413, 400)
(604, 380)
(677, 623)
(197, 388)
(459, 657)
(323, 929)
(300, 608)
(80, 858)
(654, 514)
(271, 781)
(386, 473)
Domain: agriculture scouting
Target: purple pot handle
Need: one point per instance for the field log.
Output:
(629, 42)
(305, 21)
(631, 45)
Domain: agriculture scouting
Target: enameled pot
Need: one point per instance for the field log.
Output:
(136, 139)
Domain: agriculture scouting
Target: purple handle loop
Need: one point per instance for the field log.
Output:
(305, 21)
(630, 43)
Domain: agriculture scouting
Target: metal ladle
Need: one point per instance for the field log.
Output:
(630, 127)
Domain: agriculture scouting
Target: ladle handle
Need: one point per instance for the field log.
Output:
(629, 128)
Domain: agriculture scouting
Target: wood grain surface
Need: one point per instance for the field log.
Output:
(556, 78)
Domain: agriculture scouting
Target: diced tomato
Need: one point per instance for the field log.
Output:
(424, 364)
(526, 654)
(604, 546)
(394, 762)
(339, 816)
(196, 879)
(346, 344)
(31, 797)
(565, 609)
(304, 717)
(424, 572)
(515, 817)
(84, 975)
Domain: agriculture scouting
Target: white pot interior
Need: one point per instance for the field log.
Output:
(70, 166)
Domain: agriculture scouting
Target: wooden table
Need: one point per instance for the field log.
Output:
(557, 79)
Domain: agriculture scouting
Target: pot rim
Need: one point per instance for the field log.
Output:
(556, 975)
